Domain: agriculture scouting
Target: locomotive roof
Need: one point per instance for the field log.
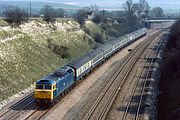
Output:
(46, 81)
(54, 76)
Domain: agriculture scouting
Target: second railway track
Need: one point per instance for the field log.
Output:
(103, 103)
(132, 111)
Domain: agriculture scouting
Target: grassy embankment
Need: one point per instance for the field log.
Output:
(36, 48)
(169, 98)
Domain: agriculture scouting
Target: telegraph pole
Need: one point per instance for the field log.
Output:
(30, 10)
(103, 14)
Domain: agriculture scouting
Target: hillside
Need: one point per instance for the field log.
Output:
(36, 5)
(36, 48)
(169, 86)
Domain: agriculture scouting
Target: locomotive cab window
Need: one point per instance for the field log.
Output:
(54, 87)
(39, 86)
(47, 87)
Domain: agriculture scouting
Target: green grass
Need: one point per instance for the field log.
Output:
(27, 59)
(77, 42)
(94, 29)
(3, 23)
(25, 63)
(64, 19)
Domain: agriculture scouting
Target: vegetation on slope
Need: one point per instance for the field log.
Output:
(35, 49)
(169, 98)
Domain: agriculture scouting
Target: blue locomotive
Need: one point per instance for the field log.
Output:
(52, 87)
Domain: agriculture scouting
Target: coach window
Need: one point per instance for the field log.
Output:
(77, 72)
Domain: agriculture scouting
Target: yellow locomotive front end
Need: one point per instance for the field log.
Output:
(43, 92)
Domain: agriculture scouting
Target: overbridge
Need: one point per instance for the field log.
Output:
(159, 22)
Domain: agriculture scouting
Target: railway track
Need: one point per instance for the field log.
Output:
(17, 108)
(141, 101)
(38, 114)
(139, 108)
(20, 107)
(103, 103)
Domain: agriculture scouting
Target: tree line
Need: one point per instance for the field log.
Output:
(134, 13)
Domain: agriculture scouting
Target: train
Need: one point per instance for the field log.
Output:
(49, 89)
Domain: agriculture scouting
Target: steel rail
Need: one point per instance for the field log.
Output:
(102, 114)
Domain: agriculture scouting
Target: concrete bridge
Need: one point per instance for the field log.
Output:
(159, 23)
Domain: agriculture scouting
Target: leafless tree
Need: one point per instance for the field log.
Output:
(157, 12)
(94, 8)
(48, 13)
(15, 15)
(81, 16)
(131, 9)
(144, 8)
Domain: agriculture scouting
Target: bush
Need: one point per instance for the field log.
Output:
(86, 30)
(97, 19)
(113, 33)
(62, 51)
(98, 38)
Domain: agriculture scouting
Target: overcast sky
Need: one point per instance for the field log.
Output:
(105, 3)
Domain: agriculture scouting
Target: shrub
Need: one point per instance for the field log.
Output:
(86, 30)
(98, 38)
(62, 51)
(113, 33)
(97, 19)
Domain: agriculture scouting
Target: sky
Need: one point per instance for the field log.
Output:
(167, 4)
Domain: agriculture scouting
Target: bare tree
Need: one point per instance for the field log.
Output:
(94, 8)
(81, 16)
(131, 9)
(157, 12)
(48, 13)
(60, 13)
(136, 12)
(97, 18)
(15, 15)
(144, 8)
(128, 7)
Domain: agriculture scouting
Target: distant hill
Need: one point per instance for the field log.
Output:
(35, 5)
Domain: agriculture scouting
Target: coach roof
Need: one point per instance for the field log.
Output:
(80, 61)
